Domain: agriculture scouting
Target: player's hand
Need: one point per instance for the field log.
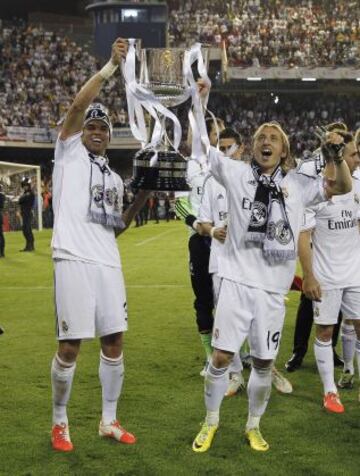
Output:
(220, 234)
(332, 144)
(203, 87)
(311, 288)
(119, 50)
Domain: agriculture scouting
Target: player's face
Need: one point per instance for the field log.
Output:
(269, 149)
(96, 137)
(352, 156)
(230, 148)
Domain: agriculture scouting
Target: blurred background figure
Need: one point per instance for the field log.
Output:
(26, 202)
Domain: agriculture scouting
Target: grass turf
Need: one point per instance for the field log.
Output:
(162, 401)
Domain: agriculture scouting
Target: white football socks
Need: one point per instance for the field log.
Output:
(62, 374)
(216, 383)
(348, 338)
(258, 390)
(325, 364)
(111, 373)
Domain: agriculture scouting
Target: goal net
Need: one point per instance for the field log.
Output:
(11, 175)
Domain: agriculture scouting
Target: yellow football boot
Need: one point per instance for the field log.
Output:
(204, 438)
(255, 439)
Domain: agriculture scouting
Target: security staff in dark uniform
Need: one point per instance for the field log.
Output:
(2, 238)
(26, 202)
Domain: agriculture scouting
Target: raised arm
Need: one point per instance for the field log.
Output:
(311, 287)
(337, 174)
(75, 117)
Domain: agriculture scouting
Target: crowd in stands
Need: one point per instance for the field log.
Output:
(42, 71)
(299, 114)
(40, 74)
(272, 32)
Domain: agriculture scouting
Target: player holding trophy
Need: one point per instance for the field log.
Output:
(89, 287)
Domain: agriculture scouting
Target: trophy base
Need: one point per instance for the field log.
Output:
(168, 174)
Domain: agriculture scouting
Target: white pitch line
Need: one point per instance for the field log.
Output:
(132, 286)
(153, 238)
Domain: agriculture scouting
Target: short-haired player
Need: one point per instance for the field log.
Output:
(332, 277)
(266, 200)
(89, 287)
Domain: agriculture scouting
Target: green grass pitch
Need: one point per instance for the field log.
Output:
(162, 401)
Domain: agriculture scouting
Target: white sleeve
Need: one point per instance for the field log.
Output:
(309, 219)
(205, 214)
(64, 148)
(312, 190)
(218, 165)
(224, 169)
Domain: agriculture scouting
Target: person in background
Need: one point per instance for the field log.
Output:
(26, 202)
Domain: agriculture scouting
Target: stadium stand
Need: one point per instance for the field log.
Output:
(41, 73)
(272, 32)
(41, 69)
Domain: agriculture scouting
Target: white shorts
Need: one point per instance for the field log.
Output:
(346, 300)
(244, 312)
(90, 300)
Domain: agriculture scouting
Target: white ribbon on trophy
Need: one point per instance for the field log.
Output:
(200, 140)
(139, 99)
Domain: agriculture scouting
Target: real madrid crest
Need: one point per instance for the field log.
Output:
(258, 214)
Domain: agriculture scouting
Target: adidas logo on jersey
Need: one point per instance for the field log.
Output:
(252, 182)
(220, 196)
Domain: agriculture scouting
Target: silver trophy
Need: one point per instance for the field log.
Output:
(165, 80)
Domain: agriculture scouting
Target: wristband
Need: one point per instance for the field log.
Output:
(212, 231)
(194, 225)
(108, 70)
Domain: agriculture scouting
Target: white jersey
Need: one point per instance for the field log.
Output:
(336, 239)
(213, 209)
(195, 177)
(244, 263)
(74, 236)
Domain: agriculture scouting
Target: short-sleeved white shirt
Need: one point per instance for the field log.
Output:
(74, 236)
(336, 239)
(244, 263)
(196, 174)
(213, 209)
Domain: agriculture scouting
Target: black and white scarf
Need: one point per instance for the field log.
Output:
(269, 223)
(104, 206)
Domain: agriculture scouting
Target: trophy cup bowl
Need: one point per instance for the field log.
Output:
(161, 85)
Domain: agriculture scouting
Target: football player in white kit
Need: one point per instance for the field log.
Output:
(89, 287)
(187, 207)
(212, 219)
(332, 275)
(266, 200)
(213, 222)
